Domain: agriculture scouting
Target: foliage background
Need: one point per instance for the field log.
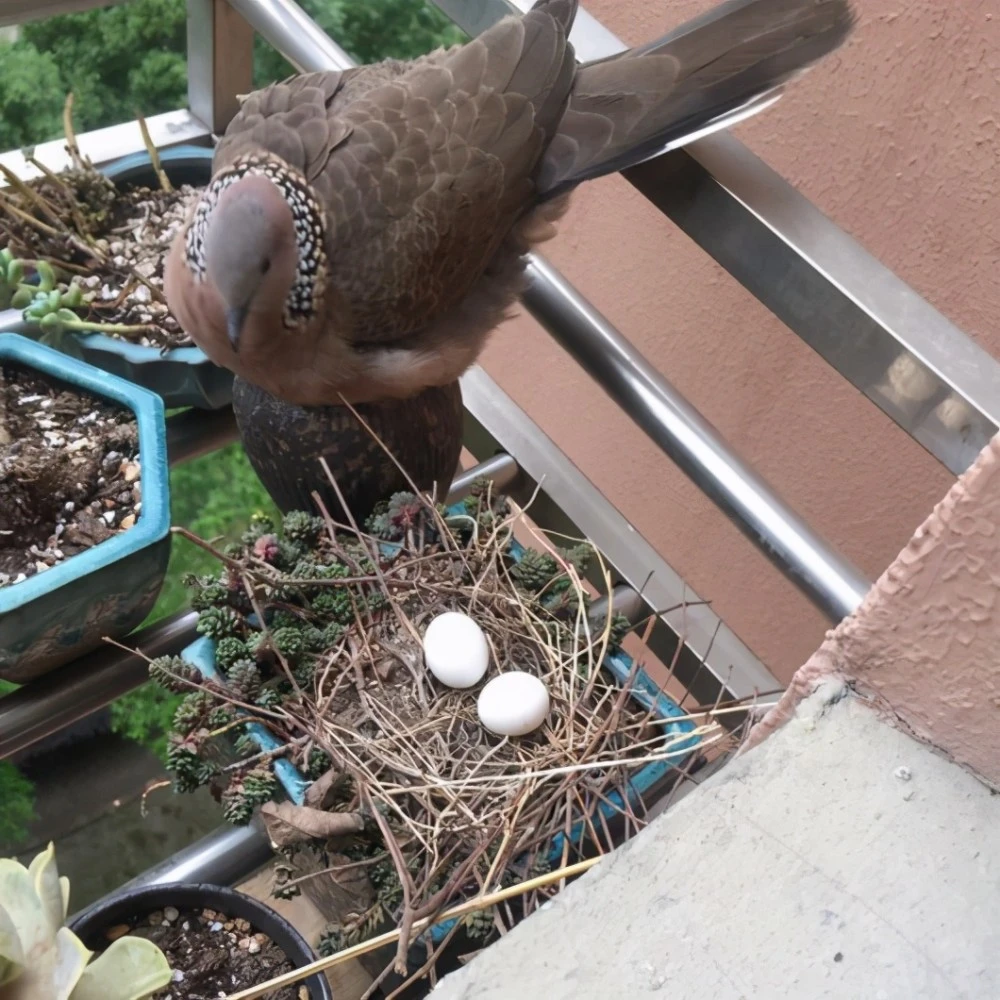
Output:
(131, 58)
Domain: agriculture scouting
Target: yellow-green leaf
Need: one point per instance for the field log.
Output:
(131, 969)
(45, 872)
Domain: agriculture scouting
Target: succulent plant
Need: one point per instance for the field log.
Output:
(42, 959)
(535, 570)
(228, 650)
(299, 526)
(260, 524)
(236, 805)
(479, 924)
(218, 622)
(195, 707)
(244, 679)
(289, 642)
(173, 673)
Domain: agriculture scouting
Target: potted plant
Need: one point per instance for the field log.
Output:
(84, 507)
(41, 959)
(311, 679)
(155, 942)
(218, 941)
(83, 268)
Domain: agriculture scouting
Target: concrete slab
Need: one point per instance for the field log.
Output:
(840, 859)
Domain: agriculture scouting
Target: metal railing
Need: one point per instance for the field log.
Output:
(912, 362)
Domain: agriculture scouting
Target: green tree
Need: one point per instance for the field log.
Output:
(132, 58)
(31, 95)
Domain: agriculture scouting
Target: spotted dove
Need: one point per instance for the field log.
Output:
(365, 230)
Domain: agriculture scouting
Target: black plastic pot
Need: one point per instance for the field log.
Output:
(285, 442)
(135, 904)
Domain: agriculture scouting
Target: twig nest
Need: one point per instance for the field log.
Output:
(455, 650)
(513, 704)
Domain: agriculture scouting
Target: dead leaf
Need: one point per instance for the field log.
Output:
(288, 823)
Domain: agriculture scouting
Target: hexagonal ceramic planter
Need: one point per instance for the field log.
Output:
(54, 617)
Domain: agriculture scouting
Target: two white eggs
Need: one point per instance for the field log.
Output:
(457, 654)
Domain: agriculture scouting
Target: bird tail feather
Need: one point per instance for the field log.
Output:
(709, 73)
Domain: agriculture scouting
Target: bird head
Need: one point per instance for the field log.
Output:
(256, 243)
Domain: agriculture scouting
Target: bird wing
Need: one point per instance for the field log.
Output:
(423, 167)
(294, 119)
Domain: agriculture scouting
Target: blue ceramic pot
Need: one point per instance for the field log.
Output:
(54, 617)
(181, 377)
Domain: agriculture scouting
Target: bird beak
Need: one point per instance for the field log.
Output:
(235, 318)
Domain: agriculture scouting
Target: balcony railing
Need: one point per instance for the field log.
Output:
(908, 359)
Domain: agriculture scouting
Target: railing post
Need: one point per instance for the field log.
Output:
(220, 61)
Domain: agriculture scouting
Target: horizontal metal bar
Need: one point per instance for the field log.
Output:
(19, 11)
(294, 34)
(834, 585)
(226, 856)
(501, 469)
(73, 692)
(197, 432)
(920, 369)
(830, 581)
(105, 145)
(716, 658)
(917, 366)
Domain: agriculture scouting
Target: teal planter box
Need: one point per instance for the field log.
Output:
(53, 617)
(181, 377)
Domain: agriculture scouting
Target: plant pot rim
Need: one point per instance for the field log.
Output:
(154, 522)
(142, 900)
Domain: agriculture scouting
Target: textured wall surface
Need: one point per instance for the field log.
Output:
(841, 860)
(926, 640)
(896, 139)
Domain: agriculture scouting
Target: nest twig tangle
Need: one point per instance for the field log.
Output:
(317, 633)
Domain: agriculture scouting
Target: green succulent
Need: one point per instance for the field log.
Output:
(479, 924)
(228, 650)
(183, 762)
(260, 524)
(192, 710)
(535, 570)
(237, 807)
(260, 785)
(317, 764)
(219, 622)
(42, 959)
(174, 673)
(207, 592)
(269, 697)
(289, 642)
(299, 526)
(244, 679)
(330, 942)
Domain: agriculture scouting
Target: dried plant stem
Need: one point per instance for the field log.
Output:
(70, 133)
(390, 937)
(154, 155)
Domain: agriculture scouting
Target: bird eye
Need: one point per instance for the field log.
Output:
(265, 267)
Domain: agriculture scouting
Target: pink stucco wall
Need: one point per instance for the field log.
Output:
(897, 138)
(925, 643)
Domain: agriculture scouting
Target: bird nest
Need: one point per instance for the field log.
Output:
(317, 634)
(78, 255)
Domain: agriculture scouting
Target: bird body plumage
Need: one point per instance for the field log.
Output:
(416, 188)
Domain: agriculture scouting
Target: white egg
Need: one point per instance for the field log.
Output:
(513, 704)
(455, 650)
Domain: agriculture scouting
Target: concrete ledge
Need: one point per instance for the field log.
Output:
(840, 859)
